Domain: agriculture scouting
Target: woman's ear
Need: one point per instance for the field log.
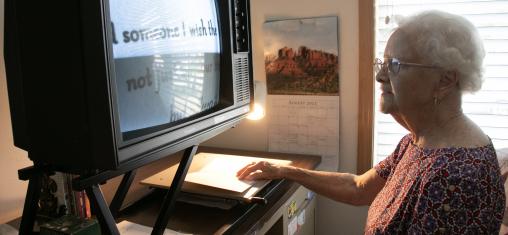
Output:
(448, 82)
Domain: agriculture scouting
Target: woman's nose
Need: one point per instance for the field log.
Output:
(382, 75)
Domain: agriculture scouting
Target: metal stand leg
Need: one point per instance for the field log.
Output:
(102, 211)
(121, 192)
(97, 202)
(170, 198)
(31, 200)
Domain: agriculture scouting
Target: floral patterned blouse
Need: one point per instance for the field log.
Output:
(438, 191)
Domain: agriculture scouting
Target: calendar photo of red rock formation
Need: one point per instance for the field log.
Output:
(302, 72)
(301, 57)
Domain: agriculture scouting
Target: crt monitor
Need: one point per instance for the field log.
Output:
(114, 84)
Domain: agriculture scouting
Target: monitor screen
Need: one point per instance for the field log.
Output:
(166, 62)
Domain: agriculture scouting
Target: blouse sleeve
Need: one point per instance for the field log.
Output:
(384, 168)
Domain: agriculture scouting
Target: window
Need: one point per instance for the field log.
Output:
(489, 107)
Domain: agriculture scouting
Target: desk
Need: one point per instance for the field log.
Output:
(142, 203)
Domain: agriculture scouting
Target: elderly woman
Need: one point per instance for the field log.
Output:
(443, 177)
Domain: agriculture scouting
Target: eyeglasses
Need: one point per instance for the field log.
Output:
(393, 65)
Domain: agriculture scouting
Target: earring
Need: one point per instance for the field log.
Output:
(436, 101)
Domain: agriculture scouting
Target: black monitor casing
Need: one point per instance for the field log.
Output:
(60, 77)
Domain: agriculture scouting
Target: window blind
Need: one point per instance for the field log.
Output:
(488, 107)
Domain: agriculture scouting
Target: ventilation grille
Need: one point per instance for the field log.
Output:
(242, 80)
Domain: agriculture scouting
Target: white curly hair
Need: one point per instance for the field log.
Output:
(450, 42)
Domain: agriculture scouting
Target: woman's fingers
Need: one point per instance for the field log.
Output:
(249, 171)
(257, 175)
(244, 169)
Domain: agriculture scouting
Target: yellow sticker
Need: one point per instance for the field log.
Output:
(291, 209)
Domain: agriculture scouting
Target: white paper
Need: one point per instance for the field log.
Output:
(293, 226)
(128, 228)
(305, 125)
(6, 229)
(219, 180)
(301, 218)
(221, 172)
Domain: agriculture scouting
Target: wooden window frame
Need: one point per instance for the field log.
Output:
(366, 15)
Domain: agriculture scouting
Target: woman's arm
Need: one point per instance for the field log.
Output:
(342, 187)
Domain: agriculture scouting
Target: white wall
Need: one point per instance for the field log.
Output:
(11, 158)
(332, 217)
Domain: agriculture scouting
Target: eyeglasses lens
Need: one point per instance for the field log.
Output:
(393, 65)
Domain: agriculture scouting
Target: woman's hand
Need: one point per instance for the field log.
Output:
(260, 171)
